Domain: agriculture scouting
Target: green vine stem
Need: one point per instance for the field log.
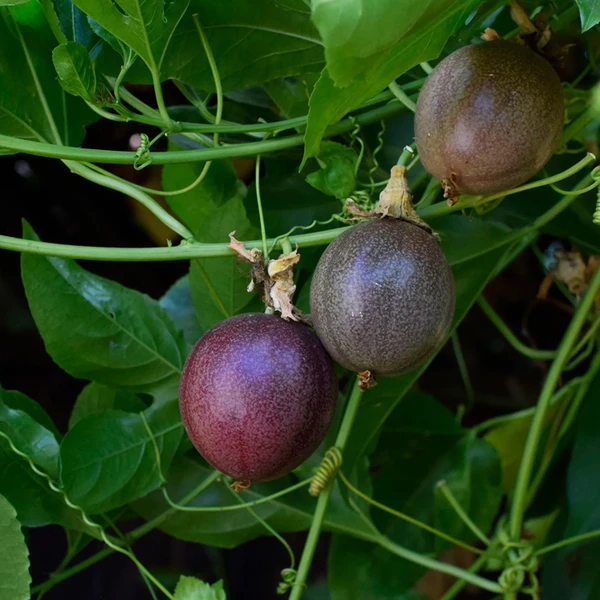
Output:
(459, 510)
(572, 540)
(407, 518)
(188, 156)
(402, 96)
(323, 499)
(464, 371)
(529, 454)
(460, 583)
(510, 337)
(188, 251)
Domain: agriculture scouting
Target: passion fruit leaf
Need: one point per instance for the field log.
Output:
(117, 336)
(291, 93)
(420, 444)
(355, 32)
(30, 437)
(19, 401)
(190, 588)
(14, 556)
(31, 432)
(212, 210)
(178, 304)
(108, 459)
(73, 22)
(95, 398)
(329, 103)
(589, 11)
(75, 70)
(28, 79)
(337, 176)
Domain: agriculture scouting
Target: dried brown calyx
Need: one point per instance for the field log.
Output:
(274, 280)
(395, 201)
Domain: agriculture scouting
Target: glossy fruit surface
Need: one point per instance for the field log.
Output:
(257, 395)
(489, 117)
(382, 297)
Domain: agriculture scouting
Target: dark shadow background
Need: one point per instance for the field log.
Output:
(67, 209)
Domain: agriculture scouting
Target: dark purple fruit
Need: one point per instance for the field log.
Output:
(382, 297)
(489, 117)
(257, 396)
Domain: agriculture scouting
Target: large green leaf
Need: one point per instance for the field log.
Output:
(29, 437)
(589, 10)
(108, 459)
(420, 445)
(252, 42)
(212, 210)
(147, 26)
(31, 432)
(355, 32)
(14, 556)
(291, 512)
(178, 304)
(97, 329)
(95, 398)
(424, 41)
(33, 105)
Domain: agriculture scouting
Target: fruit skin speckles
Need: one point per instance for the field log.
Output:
(382, 297)
(257, 396)
(489, 117)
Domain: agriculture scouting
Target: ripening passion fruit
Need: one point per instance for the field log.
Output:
(382, 297)
(489, 117)
(257, 396)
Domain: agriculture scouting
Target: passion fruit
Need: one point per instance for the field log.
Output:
(489, 117)
(257, 396)
(382, 297)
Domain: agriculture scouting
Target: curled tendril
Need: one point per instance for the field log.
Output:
(288, 579)
(355, 137)
(376, 151)
(143, 158)
(331, 462)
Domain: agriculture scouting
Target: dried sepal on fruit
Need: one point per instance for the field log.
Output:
(273, 280)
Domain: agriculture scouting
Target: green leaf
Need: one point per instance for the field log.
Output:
(108, 459)
(291, 94)
(95, 398)
(147, 26)
(424, 41)
(12, 2)
(97, 329)
(583, 479)
(19, 401)
(420, 445)
(75, 70)
(337, 176)
(14, 556)
(190, 588)
(589, 11)
(470, 277)
(212, 210)
(292, 512)
(178, 304)
(32, 102)
(31, 432)
(29, 437)
(73, 23)
(252, 42)
(356, 31)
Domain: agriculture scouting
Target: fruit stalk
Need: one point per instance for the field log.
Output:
(323, 501)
